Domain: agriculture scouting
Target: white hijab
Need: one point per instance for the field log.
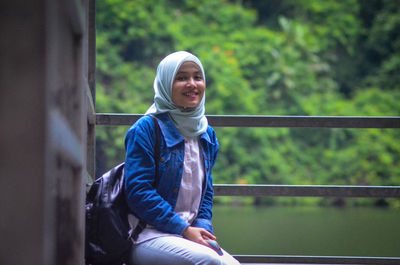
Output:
(190, 123)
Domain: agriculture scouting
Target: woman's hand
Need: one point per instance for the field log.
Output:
(198, 235)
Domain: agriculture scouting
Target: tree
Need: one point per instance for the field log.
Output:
(271, 58)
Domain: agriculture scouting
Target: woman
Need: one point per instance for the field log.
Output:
(178, 210)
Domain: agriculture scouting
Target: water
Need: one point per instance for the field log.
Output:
(316, 231)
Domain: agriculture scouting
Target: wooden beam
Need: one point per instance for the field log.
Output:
(64, 140)
(76, 16)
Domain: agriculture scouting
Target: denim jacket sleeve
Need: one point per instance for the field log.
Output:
(143, 199)
(204, 216)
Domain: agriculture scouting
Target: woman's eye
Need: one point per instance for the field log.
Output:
(180, 78)
(199, 77)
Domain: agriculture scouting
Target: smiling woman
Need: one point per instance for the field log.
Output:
(174, 195)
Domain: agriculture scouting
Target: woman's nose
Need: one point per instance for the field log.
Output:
(191, 82)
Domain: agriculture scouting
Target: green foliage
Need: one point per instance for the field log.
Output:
(292, 57)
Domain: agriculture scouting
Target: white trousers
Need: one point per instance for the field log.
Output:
(173, 250)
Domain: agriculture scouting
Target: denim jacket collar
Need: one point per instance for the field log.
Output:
(171, 134)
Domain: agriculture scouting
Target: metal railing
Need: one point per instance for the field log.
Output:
(343, 191)
(270, 121)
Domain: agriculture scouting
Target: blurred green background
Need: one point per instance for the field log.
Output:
(288, 57)
(308, 230)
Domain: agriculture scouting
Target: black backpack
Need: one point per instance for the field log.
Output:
(108, 232)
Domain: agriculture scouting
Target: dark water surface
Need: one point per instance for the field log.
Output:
(316, 231)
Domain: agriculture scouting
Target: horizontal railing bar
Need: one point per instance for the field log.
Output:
(114, 119)
(317, 259)
(304, 121)
(307, 191)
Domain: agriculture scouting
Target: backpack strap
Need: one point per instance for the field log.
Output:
(142, 224)
(156, 148)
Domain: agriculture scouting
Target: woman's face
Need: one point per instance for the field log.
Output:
(188, 86)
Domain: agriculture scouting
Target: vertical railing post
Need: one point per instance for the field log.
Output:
(91, 130)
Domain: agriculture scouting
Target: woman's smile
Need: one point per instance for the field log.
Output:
(191, 94)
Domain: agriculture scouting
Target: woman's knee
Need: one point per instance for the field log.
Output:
(178, 251)
(226, 259)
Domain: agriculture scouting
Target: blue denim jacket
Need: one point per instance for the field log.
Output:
(156, 206)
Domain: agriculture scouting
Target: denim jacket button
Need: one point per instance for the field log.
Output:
(176, 190)
(162, 159)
